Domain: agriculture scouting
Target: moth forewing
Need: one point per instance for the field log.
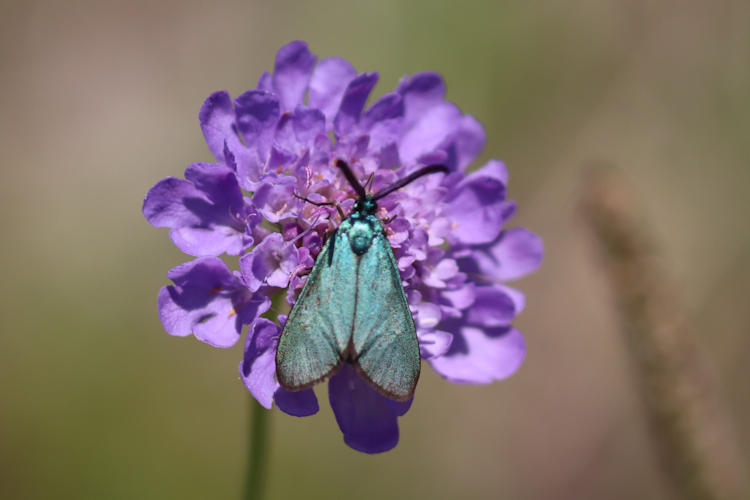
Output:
(384, 337)
(320, 323)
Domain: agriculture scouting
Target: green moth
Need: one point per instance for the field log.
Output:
(352, 308)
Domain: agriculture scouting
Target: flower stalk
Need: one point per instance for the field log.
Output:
(257, 456)
(694, 436)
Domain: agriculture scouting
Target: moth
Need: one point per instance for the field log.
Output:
(352, 308)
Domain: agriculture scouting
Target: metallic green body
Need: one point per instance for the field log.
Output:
(352, 309)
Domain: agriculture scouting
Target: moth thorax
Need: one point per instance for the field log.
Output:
(360, 236)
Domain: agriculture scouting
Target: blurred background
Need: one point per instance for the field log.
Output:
(99, 101)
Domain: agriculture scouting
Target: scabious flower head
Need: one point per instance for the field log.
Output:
(278, 143)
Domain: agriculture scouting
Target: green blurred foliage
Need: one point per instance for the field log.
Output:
(99, 101)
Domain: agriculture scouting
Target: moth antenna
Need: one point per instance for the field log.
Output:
(431, 169)
(350, 177)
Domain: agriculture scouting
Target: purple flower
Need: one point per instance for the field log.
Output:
(278, 143)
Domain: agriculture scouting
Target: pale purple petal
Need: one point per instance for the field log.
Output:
(461, 297)
(383, 122)
(476, 210)
(217, 121)
(209, 241)
(258, 368)
(205, 212)
(442, 272)
(291, 74)
(516, 253)
(367, 419)
(209, 301)
(164, 205)
(353, 101)
(517, 296)
(434, 343)
(308, 124)
(257, 114)
(175, 319)
(491, 307)
(429, 132)
(421, 92)
(219, 184)
(480, 356)
(387, 107)
(428, 316)
(271, 262)
(265, 82)
(276, 201)
(440, 228)
(222, 326)
(327, 85)
(469, 141)
(494, 169)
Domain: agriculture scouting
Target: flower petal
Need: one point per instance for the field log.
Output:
(257, 114)
(165, 203)
(353, 101)
(433, 344)
(479, 356)
(274, 198)
(298, 403)
(494, 169)
(491, 307)
(421, 92)
(175, 319)
(205, 212)
(383, 122)
(217, 121)
(469, 140)
(219, 183)
(327, 85)
(209, 301)
(476, 209)
(516, 253)
(209, 241)
(430, 131)
(222, 326)
(367, 419)
(308, 124)
(291, 74)
(271, 262)
(258, 367)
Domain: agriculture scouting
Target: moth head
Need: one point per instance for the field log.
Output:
(366, 206)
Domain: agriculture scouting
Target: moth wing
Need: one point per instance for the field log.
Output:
(317, 332)
(384, 339)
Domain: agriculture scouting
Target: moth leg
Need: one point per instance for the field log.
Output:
(389, 219)
(322, 204)
(316, 203)
(369, 181)
(303, 272)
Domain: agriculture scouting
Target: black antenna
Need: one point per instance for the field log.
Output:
(431, 169)
(350, 177)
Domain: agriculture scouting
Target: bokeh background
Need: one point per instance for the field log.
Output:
(99, 100)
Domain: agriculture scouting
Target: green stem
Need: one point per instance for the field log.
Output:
(257, 455)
